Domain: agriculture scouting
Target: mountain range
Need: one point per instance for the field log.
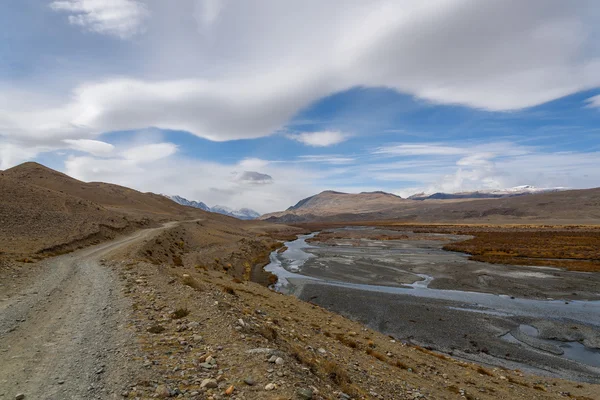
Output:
(242, 213)
(485, 194)
(538, 206)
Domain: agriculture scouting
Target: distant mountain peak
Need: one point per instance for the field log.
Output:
(485, 193)
(242, 213)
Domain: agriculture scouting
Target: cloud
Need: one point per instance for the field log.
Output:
(594, 101)
(319, 139)
(262, 62)
(276, 187)
(12, 154)
(120, 18)
(254, 178)
(326, 159)
(94, 147)
(420, 149)
(149, 152)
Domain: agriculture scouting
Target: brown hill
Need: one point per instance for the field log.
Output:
(573, 206)
(45, 211)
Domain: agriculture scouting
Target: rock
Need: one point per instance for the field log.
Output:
(209, 383)
(249, 381)
(305, 394)
(197, 338)
(229, 390)
(270, 386)
(279, 361)
(322, 351)
(241, 322)
(273, 359)
(162, 392)
(20, 396)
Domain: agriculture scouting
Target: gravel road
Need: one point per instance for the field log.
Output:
(64, 336)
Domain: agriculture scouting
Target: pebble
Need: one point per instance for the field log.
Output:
(273, 359)
(209, 383)
(20, 396)
(249, 381)
(305, 394)
(279, 361)
(322, 351)
(162, 391)
(229, 390)
(270, 386)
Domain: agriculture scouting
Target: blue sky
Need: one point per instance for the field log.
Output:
(261, 105)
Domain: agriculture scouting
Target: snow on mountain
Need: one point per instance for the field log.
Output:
(486, 194)
(190, 203)
(242, 213)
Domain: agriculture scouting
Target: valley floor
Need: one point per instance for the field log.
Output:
(169, 313)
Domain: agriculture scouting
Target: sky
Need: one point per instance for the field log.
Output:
(260, 104)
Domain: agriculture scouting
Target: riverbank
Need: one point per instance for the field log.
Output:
(413, 290)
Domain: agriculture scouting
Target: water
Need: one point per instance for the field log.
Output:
(288, 266)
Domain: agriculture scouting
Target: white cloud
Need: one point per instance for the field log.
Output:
(326, 159)
(594, 101)
(149, 152)
(420, 149)
(273, 187)
(94, 147)
(319, 139)
(121, 18)
(12, 154)
(264, 61)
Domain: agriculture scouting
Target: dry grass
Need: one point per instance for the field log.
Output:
(574, 250)
(346, 341)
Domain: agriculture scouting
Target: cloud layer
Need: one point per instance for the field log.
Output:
(271, 64)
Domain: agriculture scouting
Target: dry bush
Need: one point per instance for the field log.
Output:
(400, 364)
(376, 354)
(346, 341)
(177, 261)
(180, 313)
(229, 290)
(484, 371)
(191, 282)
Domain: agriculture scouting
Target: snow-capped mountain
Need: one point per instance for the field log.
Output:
(486, 194)
(191, 203)
(242, 213)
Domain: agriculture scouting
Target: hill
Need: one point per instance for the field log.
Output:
(570, 206)
(45, 211)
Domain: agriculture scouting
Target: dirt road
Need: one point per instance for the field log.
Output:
(64, 336)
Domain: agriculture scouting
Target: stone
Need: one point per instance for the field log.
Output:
(209, 383)
(305, 394)
(279, 361)
(20, 396)
(322, 351)
(229, 390)
(249, 381)
(162, 392)
(270, 386)
(273, 359)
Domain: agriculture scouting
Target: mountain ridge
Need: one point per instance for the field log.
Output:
(242, 213)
